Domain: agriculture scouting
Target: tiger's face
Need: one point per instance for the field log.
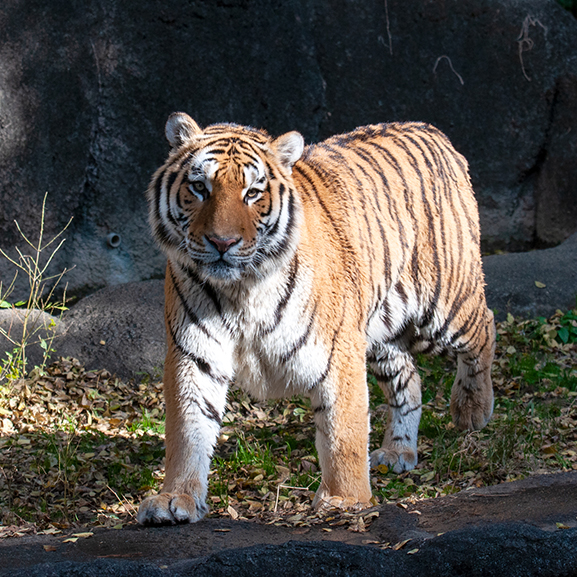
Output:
(224, 201)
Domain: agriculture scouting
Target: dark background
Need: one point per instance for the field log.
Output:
(86, 87)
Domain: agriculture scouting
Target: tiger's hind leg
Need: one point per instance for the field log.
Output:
(397, 376)
(472, 392)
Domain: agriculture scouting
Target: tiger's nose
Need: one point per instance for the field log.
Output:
(222, 244)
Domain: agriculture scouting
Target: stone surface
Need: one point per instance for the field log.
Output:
(85, 90)
(511, 281)
(120, 329)
(508, 529)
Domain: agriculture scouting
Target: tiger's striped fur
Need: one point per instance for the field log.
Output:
(289, 270)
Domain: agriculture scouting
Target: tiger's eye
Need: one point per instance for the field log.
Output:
(252, 193)
(198, 186)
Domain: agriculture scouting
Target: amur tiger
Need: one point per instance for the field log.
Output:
(290, 268)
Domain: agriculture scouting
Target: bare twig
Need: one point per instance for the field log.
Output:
(281, 486)
(524, 42)
(125, 502)
(388, 29)
(451, 65)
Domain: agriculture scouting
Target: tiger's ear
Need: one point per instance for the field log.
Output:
(289, 148)
(180, 128)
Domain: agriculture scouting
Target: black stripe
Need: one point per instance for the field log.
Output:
(372, 162)
(202, 365)
(192, 317)
(460, 297)
(268, 195)
(347, 250)
(302, 340)
(433, 243)
(206, 287)
(210, 412)
(271, 175)
(392, 210)
(282, 242)
(360, 189)
(290, 286)
(472, 320)
(160, 231)
(325, 373)
(169, 183)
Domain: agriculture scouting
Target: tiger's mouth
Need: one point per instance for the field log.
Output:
(222, 268)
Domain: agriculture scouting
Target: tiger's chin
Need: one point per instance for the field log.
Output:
(221, 271)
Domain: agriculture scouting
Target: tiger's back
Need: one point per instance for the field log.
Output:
(287, 272)
(395, 204)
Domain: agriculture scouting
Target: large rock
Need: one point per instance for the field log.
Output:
(509, 530)
(534, 283)
(85, 90)
(120, 329)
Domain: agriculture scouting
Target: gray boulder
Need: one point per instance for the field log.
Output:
(86, 89)
(120, 329)
(534, 283)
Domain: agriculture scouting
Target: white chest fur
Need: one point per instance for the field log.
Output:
(278, 351)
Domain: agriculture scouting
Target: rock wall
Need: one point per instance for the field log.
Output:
(85, 89)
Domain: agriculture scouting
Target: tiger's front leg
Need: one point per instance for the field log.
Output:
(195, 397)
(341, 409)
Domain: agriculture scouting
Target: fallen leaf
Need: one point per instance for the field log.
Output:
(49, 548)
(540, 284)
(400, 545)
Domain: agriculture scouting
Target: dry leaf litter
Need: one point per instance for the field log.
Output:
(80, 448)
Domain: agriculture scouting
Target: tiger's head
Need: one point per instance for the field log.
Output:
(224, 202)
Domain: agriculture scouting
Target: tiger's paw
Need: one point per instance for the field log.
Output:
(323, 501)
(399, 460)
(344, 503)
(169, 509)
(471, 414)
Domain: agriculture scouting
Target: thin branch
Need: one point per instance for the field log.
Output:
(388, 29)
(451, 65)
(525, 44)
(280, 485)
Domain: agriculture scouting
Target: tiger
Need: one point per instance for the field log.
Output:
(290, 268)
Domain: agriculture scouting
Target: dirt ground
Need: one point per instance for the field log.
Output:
(547, 503)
